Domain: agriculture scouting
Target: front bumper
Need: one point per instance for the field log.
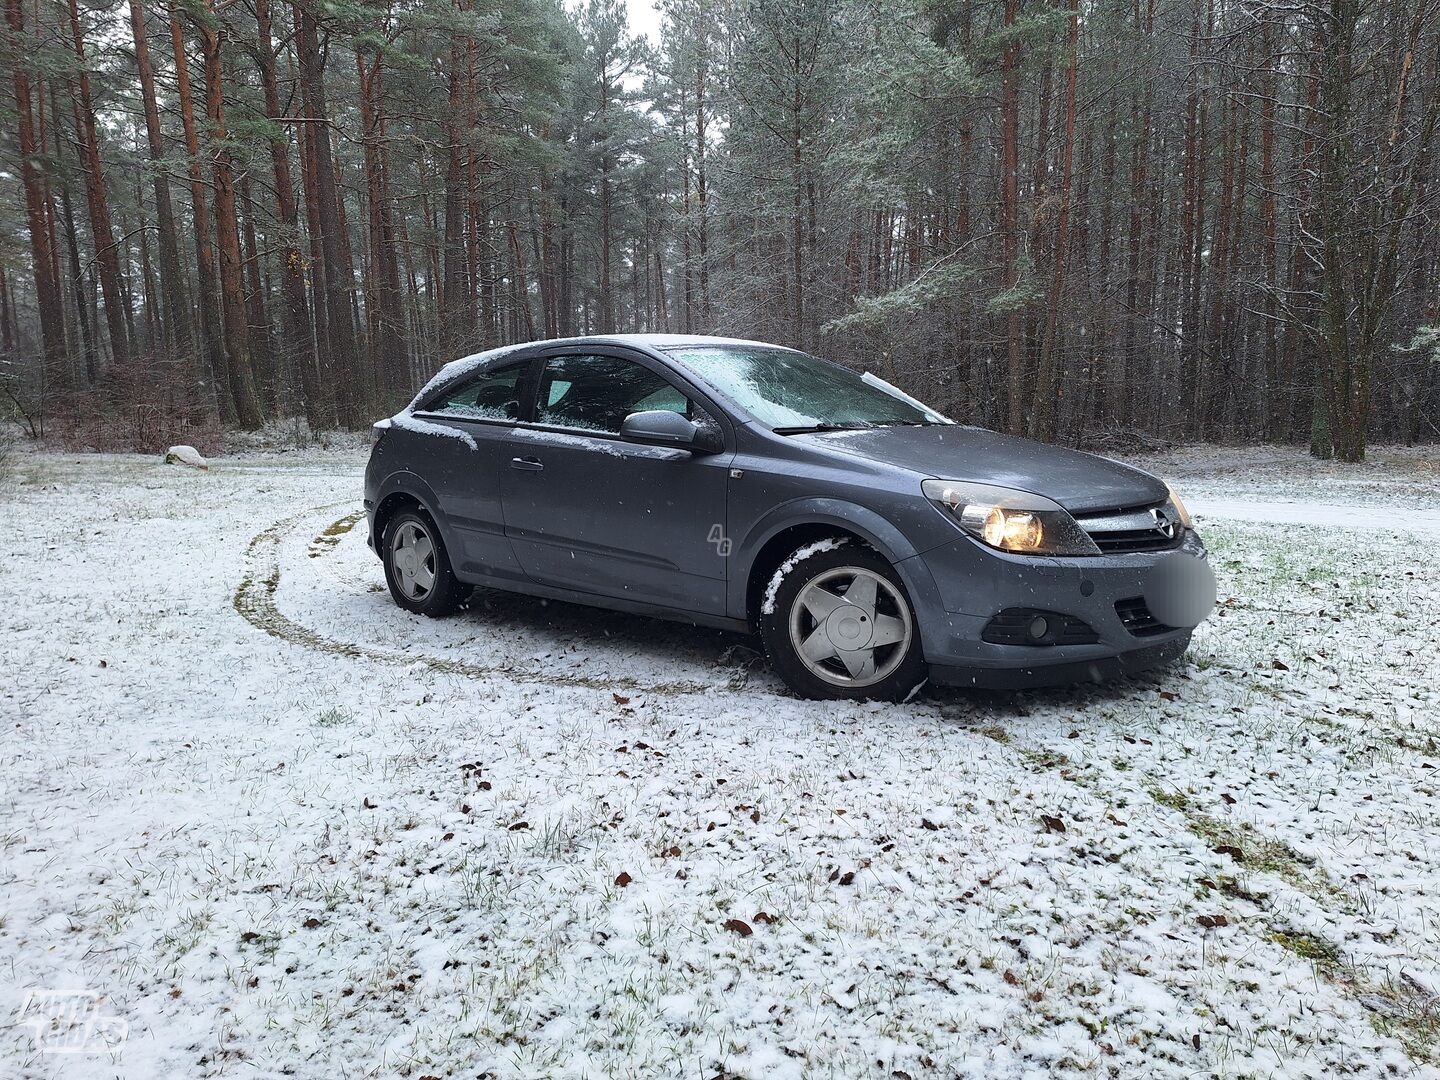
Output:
(1064, 672)
(958, 587)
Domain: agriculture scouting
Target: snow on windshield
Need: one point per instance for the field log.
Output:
(785, 388)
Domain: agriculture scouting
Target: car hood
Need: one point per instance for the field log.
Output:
(1080, 482)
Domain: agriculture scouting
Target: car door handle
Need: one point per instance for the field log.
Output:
(530, 464)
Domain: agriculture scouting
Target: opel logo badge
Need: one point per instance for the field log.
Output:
(1163, 522)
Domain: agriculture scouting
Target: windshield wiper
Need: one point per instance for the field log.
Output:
(859, 425)
(806, 429)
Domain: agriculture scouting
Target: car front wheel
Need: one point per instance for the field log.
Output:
(417, 568)
(837, 624)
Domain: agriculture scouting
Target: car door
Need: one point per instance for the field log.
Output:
(585, 510)
(472, 420)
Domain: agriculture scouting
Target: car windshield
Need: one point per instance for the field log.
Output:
(792, 392)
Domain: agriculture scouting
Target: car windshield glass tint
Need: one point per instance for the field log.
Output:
(786, 389)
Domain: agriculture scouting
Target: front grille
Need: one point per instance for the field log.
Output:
(1136, 616)
(1119, 543)
(1151, 528)
(1013, 627)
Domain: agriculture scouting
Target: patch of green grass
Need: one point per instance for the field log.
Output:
(1175, 800)
(334, 717)
(1044, 759)
(1313, 947)
(1416, 1024)
(332, 534)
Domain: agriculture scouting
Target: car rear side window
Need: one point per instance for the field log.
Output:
(490, 395)
(596, 393)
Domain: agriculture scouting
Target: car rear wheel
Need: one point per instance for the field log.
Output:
(417, 569)
(837, 624)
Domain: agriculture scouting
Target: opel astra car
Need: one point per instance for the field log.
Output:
(870, 541)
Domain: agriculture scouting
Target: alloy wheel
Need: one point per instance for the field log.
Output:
(412, 554)
(850, 626)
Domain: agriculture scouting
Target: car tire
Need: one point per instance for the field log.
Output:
(417, 567)
(824, 644)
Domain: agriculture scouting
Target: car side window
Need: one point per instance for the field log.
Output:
(491, 395)
(596, 393)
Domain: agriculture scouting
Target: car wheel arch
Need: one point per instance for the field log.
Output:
(787, 529)
(401, 491)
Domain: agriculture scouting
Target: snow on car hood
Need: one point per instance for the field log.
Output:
(1080, 482)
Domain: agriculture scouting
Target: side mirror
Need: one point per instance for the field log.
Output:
(661, 427)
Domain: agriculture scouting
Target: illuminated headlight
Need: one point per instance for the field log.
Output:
(1011, 520)
(1179, 513)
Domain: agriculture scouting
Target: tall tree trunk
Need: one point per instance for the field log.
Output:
(8, 331)
(607, 297)
(386, 318)
(42, 252)
(262, 351)
(86, 313)
(1277, 427)
(702, 191)
(549, 272)
(296, 357)
(107, 256)
(1127, 383)
(324, 365)
(1010, 218)
(154, 322)
(207, 298)
(457, 309)
(521, 285)
(344, 375)
(686, 255)
(50, 133)
(1042, 418)
(238, 362)
(797, 233)
(174, 302)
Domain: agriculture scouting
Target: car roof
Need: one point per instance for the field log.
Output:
(653, 342)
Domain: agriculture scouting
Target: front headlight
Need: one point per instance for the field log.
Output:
(1010, 520)
(1181, 515)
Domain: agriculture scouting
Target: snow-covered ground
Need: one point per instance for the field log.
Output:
(281, 827)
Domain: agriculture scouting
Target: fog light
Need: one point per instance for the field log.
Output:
(1035, 628)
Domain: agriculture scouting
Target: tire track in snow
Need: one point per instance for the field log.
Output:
(255, 601)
